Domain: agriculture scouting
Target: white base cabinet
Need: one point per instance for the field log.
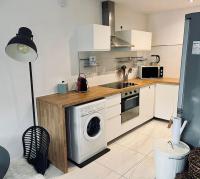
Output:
(146, 109)
(113, 117)
(158, 100)
(166, 101)
(147, 96)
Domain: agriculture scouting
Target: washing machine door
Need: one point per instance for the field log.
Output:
(94, 127)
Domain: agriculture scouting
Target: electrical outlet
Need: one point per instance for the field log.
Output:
(62, 3)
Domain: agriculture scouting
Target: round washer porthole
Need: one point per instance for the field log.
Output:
(93, 127)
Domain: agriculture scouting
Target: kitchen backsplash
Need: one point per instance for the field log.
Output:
(110, 62)
(107, 64)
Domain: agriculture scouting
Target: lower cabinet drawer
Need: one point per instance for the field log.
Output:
(113, 111)
(113, 100)
(113, 126)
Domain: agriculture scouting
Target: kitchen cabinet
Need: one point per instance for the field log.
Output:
(113, 117)
(141, 40)
(166, 101)
(94, 37)
(147, 96)
(146, 109)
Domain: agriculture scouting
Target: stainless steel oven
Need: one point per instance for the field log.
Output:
(130, 105)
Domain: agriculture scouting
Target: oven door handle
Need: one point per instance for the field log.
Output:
(134, 97)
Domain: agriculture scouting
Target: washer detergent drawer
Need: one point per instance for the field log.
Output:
(113, 111)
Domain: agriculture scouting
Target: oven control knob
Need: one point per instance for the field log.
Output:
(131, 92)
(126, 93)
(135, 91)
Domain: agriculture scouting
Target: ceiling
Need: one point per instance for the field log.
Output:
(153, 6)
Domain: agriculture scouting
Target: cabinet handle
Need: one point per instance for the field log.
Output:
(132, 98)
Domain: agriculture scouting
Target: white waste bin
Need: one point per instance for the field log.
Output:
(169, 161)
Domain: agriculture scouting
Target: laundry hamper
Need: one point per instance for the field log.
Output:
(184, 175)
(36, 141)
(194, 163)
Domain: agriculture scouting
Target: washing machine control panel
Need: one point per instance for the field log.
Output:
(91, 109)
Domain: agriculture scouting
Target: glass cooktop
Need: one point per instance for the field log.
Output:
(119, 85)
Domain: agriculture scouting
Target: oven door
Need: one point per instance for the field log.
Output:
(130, 107)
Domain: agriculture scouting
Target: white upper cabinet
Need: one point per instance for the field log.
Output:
(94, 37)
(141, 40)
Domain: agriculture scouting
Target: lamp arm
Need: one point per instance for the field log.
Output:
(32, 93)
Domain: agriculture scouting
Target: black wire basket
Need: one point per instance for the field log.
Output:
(36, 141)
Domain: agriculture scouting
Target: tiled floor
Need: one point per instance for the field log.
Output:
(131, 157)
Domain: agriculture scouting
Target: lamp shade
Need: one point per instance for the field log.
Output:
(21, 47)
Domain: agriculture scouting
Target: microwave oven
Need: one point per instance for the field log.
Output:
(150, 72)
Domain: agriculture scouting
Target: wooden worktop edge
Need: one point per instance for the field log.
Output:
(74, 98)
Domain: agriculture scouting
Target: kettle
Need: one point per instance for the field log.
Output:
(82, 83)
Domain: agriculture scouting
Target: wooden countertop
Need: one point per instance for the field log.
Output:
(97, 92)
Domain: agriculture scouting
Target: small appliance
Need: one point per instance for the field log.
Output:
(86, 131)
(82, 83)
(62, 88)
(150, 72)
(130, 105)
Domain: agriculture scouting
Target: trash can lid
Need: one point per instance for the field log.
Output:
(180, 150)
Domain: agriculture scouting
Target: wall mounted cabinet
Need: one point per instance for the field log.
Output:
(94, 37)
(141, 40)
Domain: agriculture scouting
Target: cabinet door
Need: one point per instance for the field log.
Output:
(113, 127)
(94, 37)
(166, 101)
(147, 95)
(113, 117)
(141, 40)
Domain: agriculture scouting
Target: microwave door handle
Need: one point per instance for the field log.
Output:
(134, 97)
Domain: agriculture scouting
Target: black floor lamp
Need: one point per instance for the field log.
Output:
(23, 49)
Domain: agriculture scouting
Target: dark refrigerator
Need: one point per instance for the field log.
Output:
(189, 91)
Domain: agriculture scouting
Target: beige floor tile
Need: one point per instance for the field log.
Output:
(72, 167)
(144, 146)
(144, 170)
(129, 138)
(156, 129)
(120, 159)
(91, 171)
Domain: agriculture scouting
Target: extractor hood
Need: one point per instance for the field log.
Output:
(108, 18)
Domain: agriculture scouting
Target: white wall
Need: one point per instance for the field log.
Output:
(168, 29)
(53, 28)
(129, 19)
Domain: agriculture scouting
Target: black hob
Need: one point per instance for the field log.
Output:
(119, 85)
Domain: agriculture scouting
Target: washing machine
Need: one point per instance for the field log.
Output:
(86, 131)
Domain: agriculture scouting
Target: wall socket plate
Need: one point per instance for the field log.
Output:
(62, 3)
